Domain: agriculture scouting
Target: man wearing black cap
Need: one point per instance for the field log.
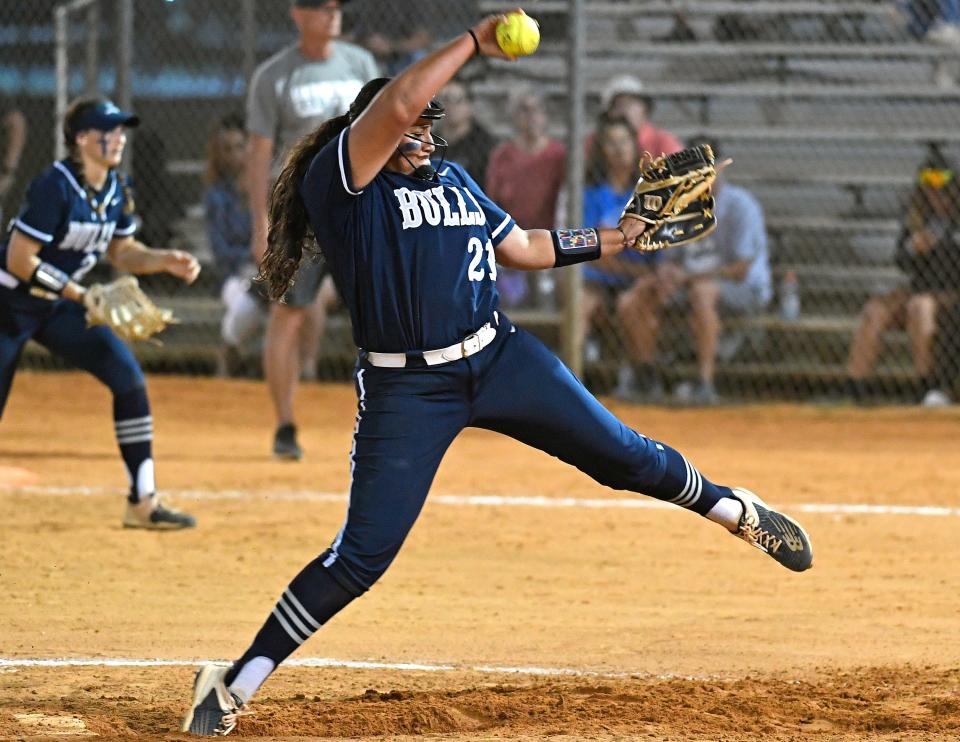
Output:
(313, 79)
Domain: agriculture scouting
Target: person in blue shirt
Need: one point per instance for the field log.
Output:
(226, 211)
(229, 223)
(612, 170)
(415, 251)
(77, 210)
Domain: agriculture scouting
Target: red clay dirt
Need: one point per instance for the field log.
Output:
(678, 631)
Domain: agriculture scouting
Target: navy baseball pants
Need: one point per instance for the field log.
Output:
(61, 327)
(407, 418)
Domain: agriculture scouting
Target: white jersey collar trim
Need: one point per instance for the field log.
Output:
(70, 179)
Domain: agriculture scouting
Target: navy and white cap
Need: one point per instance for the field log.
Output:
(103, 116)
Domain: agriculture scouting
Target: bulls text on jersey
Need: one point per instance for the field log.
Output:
(433, 206)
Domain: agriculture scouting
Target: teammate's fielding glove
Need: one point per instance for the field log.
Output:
(673, 196)
(122, 306)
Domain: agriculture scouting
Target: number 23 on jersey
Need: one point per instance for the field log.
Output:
(476, 271)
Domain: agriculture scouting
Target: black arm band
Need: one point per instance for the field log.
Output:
(575, 246)
(476, 42)
(49, 278)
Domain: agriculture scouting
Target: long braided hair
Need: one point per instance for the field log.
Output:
(290, 233)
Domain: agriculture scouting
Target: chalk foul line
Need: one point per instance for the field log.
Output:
(532, 501)
(329, 662)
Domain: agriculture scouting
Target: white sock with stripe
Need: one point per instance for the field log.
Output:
(133, 425)
(684, 485)
(727, 512)
(311, 599)
(251, 676)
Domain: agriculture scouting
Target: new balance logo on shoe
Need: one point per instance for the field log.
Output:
(792, 536)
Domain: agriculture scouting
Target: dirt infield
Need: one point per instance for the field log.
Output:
(526, 621)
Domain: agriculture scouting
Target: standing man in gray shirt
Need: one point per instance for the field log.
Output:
(313, 79)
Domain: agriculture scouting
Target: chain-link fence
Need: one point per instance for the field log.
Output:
(834, 267)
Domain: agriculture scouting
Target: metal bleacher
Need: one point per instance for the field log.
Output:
(826, 117)
(827, 112)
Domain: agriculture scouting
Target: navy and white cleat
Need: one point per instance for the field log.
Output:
(155, 514)
(215, 709)
(773, 533)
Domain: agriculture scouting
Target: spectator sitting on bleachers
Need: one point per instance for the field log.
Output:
(524, 176)
(726, 273)
(226, 211)
(469, 143)
(229, 230)
(929, 253)
(623, 97)
(612, 170)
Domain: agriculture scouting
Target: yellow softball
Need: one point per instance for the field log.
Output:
(519, 35)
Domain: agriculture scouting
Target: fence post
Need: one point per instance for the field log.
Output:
(93, 43)
(60, 62)
(573, 285)
(124, 84)
(249, 31)
(123, 90)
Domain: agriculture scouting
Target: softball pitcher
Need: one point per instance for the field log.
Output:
(76, 210)
(415, 252)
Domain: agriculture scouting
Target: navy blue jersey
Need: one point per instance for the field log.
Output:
(413, 260)
(74, 231)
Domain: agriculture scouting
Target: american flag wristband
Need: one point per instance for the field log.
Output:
(575, 246)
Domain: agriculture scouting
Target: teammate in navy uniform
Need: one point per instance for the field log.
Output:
(415, 252)
(76, 210)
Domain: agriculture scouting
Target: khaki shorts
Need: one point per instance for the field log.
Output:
(735, 298)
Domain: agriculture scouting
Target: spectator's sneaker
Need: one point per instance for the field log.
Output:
(285, 444)
(215, 709)
(154, 514)
(772, 532)
(655, 393)
(936, 398)
(945, 34)
(701, 394)
(705, 395)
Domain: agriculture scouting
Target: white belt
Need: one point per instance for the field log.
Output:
(472, 343)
